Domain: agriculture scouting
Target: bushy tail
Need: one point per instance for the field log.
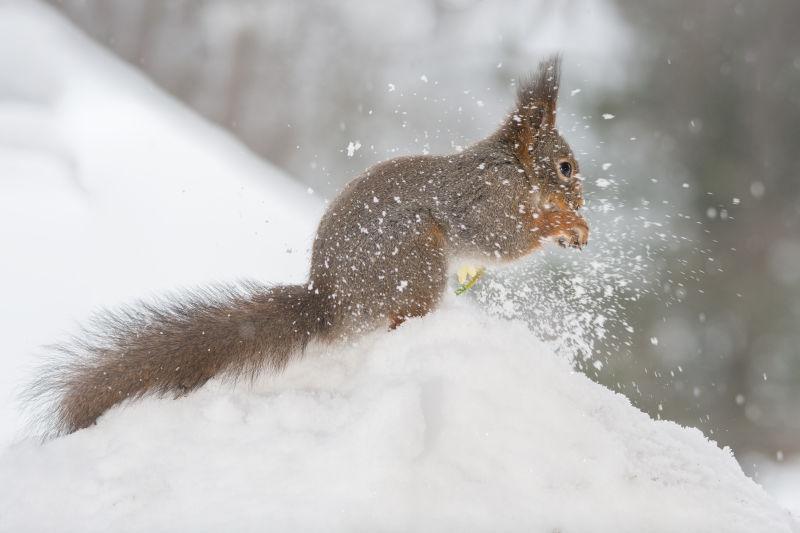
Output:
(175, 348)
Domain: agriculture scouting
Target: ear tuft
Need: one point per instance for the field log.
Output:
(537, 96)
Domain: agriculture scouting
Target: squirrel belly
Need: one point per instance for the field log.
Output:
(381, 254)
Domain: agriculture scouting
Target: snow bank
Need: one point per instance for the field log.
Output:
(110, 191)
(454, 422)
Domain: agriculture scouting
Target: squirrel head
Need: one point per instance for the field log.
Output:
(545, 155)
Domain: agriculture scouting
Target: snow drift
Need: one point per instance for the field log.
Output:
(454, 422)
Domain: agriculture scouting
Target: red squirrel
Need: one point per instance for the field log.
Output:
(380, 256)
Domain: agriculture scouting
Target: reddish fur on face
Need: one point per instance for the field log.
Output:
(569, 197)
(559, 223)
(538, 146)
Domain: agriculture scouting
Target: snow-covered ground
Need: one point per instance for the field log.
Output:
(782, 480)
(454, 422)
(110, 191)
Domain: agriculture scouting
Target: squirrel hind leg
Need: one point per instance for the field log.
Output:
(395, 320)
(419, 305)
(380, 288)
(423, 281)
(421, 308)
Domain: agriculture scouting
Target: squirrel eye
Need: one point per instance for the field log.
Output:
(565, 168)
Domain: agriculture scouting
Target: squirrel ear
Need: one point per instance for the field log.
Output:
(537, 97)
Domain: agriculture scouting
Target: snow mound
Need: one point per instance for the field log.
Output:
(454, 422)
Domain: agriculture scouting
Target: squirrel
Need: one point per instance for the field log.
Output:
(380, 256)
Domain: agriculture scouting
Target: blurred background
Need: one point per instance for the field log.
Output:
(686, 115)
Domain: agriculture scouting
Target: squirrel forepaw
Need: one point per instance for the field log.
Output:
(576, 236)
(567, 228)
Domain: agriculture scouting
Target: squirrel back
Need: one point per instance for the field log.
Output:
(380, 256)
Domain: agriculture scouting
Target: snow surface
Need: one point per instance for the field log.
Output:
(453, 422)
(782, 480)
(458, 421)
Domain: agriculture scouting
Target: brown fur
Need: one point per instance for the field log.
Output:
(380, 256)
(174, 348)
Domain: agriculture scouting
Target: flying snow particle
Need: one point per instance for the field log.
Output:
(654, 341)
(402, 286)
(424, 78)
(606, 166)
(391, 87)
(602, 183)
(352, 147)
(573, 92)
(310, 190)
(757, 189)
(607, 116)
